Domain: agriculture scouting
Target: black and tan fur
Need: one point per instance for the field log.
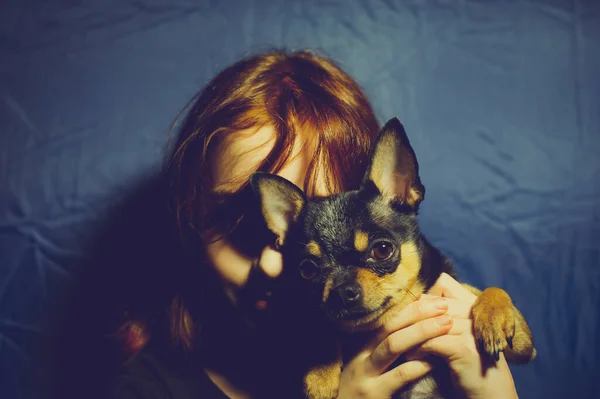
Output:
(352, 260)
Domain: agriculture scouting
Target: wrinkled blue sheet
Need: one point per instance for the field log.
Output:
(501, 101)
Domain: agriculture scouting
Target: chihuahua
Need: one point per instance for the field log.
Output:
(353, 259)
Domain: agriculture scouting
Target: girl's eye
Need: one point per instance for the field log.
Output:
(382, 250)
(309, 270)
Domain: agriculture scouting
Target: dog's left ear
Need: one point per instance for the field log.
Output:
(281, 202)
(394, 169)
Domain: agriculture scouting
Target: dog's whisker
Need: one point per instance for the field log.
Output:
(409, 292)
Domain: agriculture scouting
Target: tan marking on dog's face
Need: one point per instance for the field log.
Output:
(396, 285)
(416, 288)
(361, 241)
(369, 283)
(327, 290)
(314, 249)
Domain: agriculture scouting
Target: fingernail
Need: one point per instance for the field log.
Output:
(443, 320)
(441, 304)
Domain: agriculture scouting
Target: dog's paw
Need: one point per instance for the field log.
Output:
(494, 322)
(322, 382)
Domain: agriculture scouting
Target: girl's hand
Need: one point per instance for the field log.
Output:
(439, 324)
(367, 375)
(458, 348)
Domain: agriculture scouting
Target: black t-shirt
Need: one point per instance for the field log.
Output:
(149, 375)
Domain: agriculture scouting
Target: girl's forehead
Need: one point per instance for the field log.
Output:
(241, 152)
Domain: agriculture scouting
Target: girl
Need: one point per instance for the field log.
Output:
(302, 117)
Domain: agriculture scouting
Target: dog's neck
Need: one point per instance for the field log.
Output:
(433, 264)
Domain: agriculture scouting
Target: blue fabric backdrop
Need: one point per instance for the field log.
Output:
(501, 100)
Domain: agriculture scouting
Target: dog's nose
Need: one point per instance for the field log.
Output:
(349, 293)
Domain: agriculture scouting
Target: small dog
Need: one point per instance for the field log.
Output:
(352, 260)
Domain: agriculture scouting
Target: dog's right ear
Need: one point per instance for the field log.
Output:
(281, 202)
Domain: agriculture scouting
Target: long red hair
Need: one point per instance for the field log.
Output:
(287, 91)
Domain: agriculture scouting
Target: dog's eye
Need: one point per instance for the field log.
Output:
(309, 269)
(382, 250)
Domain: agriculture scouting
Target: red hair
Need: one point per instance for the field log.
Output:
(289, 92)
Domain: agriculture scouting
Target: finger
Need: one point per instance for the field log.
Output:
(459, 349)
(446, 286)
(445, 346)
(416, 311)
(403, 340)
(459, 327)
(456, 308)
(396, 378)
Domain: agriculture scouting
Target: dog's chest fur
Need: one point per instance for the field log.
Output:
(425, 388)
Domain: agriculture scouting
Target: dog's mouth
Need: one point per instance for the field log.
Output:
(361, 315)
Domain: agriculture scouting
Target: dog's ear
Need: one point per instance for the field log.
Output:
(394, 169)
(281, 202)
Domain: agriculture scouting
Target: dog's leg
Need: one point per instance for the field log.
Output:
(499, 326)
(323, 381)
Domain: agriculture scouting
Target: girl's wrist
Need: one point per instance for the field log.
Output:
(499, 382)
